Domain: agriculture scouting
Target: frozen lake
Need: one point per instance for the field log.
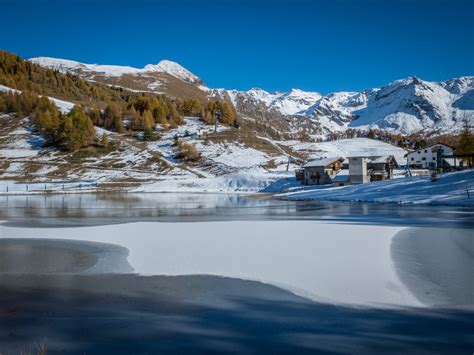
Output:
(194, 262)
(101, 209)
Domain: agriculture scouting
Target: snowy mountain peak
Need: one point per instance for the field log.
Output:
(459, 86)
(56, 63)
(404, 106)
(173, 69)
(296, 101)
(413, 105)
(301, 93)
(164, 66)
(287, 103)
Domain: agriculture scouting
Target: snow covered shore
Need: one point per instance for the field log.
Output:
(449, 189)
(245, 182)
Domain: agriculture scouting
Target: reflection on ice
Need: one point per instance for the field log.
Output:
(110, 208)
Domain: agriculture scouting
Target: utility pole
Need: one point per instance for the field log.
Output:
(217, 115)
(290, 159)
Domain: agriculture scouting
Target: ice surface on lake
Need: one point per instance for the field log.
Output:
(337, 263)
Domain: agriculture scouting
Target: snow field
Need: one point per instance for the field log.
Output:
(449, 189)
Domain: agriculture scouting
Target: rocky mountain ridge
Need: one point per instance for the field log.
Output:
(405, 106)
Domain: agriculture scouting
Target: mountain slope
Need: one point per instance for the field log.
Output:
(287, 103)
(404, 106)
(166, 77)
(408, 106)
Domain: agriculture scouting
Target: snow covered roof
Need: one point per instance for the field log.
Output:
(374, 159)
(370, 159)
(322, 162)
(381, 158)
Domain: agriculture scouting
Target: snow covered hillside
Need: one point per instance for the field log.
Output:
(27, 165)
(449, 189)
(166, 77)
(349, 148)
(276, 133)
(230, 161)
(164, 66)
(404, 106)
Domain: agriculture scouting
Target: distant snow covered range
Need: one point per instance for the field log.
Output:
(404, 106)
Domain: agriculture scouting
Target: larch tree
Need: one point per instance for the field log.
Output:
(113, 118)
(466, 141)
(148, 120)
(78, 130)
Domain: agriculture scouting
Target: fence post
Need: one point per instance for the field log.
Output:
(26, 187)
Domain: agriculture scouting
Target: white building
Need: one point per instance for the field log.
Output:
(358, 170)
(363, 169)
(429, 157)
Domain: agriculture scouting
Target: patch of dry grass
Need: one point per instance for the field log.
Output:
(244, 136)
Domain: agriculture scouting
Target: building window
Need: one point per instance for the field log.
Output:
(434, 158)
(426, 151)
(419, 152)
(412, 159)
(424, 158)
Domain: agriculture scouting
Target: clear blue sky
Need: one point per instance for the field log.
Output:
(276, 45)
